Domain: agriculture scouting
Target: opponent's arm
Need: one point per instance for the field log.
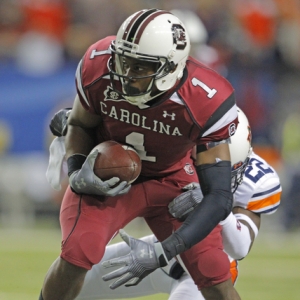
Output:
(239, 231)
(58, 123)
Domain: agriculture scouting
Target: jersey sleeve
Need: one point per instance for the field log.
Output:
(92, 67)
(211, 103)
(260, 191)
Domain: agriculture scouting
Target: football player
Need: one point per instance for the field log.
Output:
(141, 88)
(257, 192)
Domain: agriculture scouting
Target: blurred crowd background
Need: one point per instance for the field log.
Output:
(255, 44)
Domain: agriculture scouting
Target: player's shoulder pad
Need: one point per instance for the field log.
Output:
(94, 61)
(205, 91)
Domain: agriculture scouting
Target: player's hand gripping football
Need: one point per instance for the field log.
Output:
(58, 124)
(142, 260)
(186, 202)
(84, 180)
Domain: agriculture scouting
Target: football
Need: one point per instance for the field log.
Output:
(117, 160)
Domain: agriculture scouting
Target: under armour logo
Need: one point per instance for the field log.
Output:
(143, 253)
(80, 184)
(172, 116)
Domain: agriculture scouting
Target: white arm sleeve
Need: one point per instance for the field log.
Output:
(56, 170)
(94, 288)
(185, 288)
(236, 236)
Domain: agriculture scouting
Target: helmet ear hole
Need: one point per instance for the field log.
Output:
(170, 67)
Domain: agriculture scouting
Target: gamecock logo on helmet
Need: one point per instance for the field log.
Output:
(179, 37)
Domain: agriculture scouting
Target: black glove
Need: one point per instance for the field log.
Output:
(58, 124)
(142, 260)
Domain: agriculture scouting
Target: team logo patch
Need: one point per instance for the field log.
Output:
(232, 129)
(189, 169)
(111, 95)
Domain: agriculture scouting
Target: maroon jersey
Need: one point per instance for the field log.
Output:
(199, 111)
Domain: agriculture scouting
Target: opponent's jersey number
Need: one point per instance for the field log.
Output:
(256, 170)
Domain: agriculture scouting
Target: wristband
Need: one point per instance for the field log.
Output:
(176, 270)
(173, 245)
(75, 162)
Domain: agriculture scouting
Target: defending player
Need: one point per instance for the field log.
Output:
(141, 88)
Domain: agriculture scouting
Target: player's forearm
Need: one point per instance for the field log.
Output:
(195, 228)
(236, 237)
(79, 140)
(215, 207)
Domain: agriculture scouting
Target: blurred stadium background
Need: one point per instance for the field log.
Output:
(253, 43)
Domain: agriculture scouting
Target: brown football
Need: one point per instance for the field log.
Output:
(117, 160)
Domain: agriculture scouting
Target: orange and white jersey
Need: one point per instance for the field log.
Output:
(260, 190)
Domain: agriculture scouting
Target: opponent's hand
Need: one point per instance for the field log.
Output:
(142, 260)
(84, 180)
(185, 203)
(58, 124)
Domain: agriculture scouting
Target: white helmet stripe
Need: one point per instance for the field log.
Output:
(132, 21)
(134, 24)
(143, 25)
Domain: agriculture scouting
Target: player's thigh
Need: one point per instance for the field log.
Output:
(88, 224)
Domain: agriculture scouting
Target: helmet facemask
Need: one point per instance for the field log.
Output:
(124, 61)
(240, 150)
(238, 171)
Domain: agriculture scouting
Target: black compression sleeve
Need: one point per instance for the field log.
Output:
(215, 181)
(75, 162)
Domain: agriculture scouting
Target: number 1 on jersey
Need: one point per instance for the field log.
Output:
(137, 141)
(210, 92)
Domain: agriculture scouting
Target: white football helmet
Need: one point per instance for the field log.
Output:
(240, 150)
(149, 35)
